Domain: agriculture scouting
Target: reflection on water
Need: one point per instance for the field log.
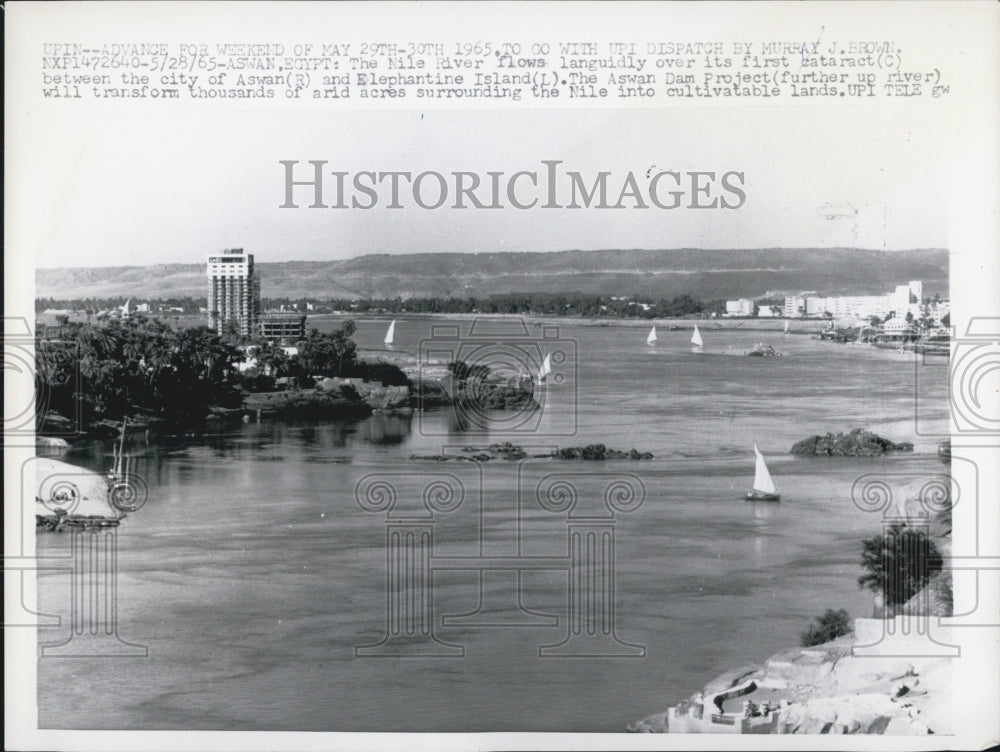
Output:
(386, 429)
(252, 572)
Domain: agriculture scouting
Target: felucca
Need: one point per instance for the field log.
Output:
(763, 485)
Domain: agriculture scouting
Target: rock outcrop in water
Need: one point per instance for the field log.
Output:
(600, 452)
(508, 451)
(763, 351)
(857, 443)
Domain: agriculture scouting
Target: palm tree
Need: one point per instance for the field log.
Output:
(271, 359)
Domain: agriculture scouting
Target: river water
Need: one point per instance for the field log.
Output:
(253, 574)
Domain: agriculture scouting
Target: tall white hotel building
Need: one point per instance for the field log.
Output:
(233, 292)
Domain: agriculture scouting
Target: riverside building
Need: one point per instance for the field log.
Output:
(233, 292)
(286, 328)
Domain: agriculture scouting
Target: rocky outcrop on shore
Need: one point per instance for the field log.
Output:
(314, 402)
(857, 443)
(71, 496)
(506, 396)
(378, 397)
(901, 688)
(430, 393)
(827, 690)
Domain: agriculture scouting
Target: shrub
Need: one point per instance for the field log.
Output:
(387, 373)
(898, 563)
(831, 625)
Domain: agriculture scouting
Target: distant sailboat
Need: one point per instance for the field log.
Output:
(651, 339)
(546, 368)
(786, 327)
(696, 337)
(391, 334)
(763, 485)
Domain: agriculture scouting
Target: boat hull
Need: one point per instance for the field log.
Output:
(761, 496)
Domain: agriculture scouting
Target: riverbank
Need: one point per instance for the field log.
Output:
(826, 689)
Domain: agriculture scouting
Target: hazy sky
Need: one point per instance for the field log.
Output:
(150, 187)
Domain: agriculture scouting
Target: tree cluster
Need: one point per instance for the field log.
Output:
(554, 304)
(137, 366)
(898, 563)
(568, 304)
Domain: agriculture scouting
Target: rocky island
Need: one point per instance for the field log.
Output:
(509, 451)
(763, 351)
(857, 443)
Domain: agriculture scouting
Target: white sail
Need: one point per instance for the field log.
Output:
(546, 368)
(762, 478)
(786, 327)
(391, 334)
(652, 336)
(696, 337)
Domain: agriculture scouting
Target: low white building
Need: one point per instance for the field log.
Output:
(741, 307)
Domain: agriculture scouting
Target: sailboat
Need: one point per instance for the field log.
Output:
(391, 333)
(696, 337)
(763, 486)
(786, 327)
(546, 368)
(651, 339)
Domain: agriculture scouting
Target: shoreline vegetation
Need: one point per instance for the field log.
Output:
(92, 376)
(181, 378)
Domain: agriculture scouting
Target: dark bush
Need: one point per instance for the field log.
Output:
(831, 625)
(387, 373)
(898, 563)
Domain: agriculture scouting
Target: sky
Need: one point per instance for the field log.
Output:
(120, 188)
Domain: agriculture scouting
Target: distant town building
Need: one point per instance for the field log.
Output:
(282, 327)
(741, 307)
(795, 306)
(902, 300)
(938, 310)
(233, 292)
(816, 306)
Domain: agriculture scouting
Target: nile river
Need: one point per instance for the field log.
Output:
(252, 573)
